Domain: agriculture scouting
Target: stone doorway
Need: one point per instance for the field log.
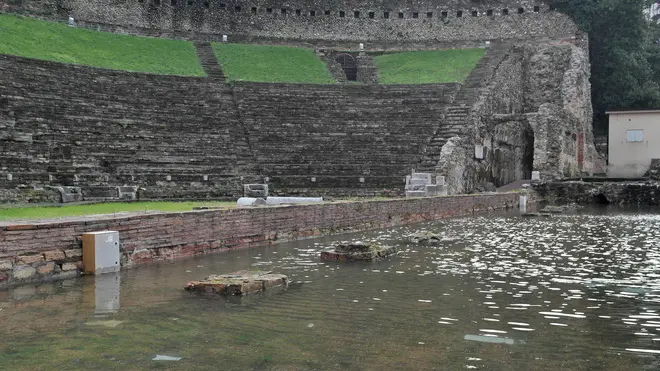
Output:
(349, 65)
(513, 152)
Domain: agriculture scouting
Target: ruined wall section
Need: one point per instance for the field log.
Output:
(559, 110)
(362, 20)
(535, 114)
(502, 97)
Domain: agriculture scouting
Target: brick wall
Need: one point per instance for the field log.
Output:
(52, 250)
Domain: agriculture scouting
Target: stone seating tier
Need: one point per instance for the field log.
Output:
(80, 126)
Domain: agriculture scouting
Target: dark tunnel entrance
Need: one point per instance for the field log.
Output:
(349, 65)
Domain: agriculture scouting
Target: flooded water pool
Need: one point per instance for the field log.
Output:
(501, 292)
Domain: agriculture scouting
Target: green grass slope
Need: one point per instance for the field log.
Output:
(424, 67)
(43, 212)
(32, 38)
(271, 64)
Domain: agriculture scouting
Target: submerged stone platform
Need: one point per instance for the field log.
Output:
(359, 251)
(425, 237)
(238, 283)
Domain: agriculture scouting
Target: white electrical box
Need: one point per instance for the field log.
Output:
(101, 252)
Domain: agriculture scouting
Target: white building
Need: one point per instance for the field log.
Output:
(634, 140)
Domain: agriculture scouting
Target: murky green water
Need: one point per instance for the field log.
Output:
(575, 292)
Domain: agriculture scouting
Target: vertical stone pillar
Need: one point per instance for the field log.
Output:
(580, 150)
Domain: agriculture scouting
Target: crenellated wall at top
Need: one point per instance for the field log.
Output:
(330, 20)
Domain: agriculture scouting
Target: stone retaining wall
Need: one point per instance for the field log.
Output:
(356, 21)
(637, 193)
(49, 250)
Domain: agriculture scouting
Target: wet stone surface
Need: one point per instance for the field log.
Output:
(359, 251)
(238, 283)
(578, 291)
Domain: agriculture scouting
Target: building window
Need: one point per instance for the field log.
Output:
(634, 135)
(505, 11)
(312, 13)
(521, 10)
(475, 13)
(444, 14)
(254, 10)
(429, 15)
(459, 14)
(489, 12)
(342, 14)
(372, 14)
(386, 15)
(415, 15)
(327, 12)
(356, 14)
(298, 11)
(537, 9)
(400, 15)
(269, 10)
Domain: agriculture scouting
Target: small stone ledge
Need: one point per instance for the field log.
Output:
(238, 283)
(359, 251)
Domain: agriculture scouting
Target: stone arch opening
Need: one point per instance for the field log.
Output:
(601, 199)
(349, 65)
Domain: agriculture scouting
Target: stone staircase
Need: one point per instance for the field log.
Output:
(209, 61)
(481, 75)
(454, 122)
(455, 119)
(367, 70)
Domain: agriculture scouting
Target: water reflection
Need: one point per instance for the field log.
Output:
(106, 293)
(500, 292)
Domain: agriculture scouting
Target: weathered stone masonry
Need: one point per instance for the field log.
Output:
(531, 112)
(47, 250)
(180, 137)
(361, 20)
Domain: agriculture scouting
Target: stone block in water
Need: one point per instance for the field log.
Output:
(425, 237)
(536, 215)
(238, 283)
(359, 251)
(554, 209)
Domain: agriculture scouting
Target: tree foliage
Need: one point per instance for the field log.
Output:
(625, 59)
